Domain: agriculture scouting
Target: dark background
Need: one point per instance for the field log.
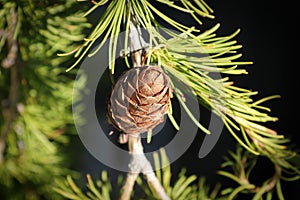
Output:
(269, 38)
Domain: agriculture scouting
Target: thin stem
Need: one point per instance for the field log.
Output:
(156, 185)
(139, 163)
(128, 186)
(11, 62)
(271, 183)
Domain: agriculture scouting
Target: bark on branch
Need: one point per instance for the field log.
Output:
(9, 110)
(140, 164)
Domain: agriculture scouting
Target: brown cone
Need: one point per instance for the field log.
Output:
(139, 99)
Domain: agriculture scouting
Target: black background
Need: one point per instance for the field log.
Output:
(269, 37)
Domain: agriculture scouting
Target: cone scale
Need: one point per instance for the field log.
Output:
(139, 99)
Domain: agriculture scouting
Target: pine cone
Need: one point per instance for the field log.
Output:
(139, 99)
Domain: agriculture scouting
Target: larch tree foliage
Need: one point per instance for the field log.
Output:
(43, 43)
(33, 90)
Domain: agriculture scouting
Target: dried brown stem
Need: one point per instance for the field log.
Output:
(271, 184)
